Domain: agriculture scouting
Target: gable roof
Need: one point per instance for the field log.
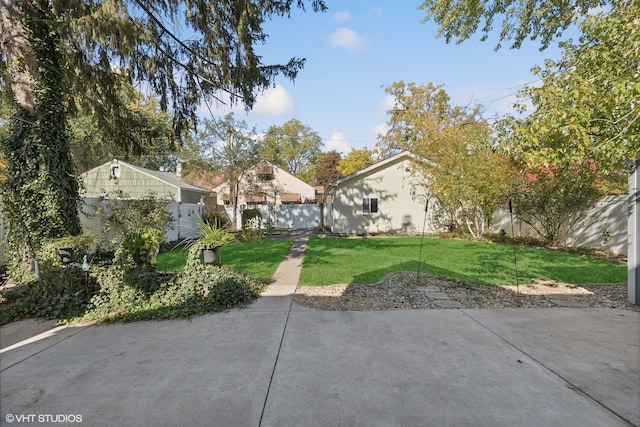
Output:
(379, 166)
(168, 178)
(265, 163)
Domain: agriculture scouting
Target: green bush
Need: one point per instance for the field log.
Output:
(120, 293)
(252, 225)
(147, 294)
(139, 246)
(58, 293)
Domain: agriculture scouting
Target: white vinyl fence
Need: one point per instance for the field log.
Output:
(605, 226)
(283, 217)
(185, 217)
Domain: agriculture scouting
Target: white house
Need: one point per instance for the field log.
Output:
(389, 196)
(285, 200)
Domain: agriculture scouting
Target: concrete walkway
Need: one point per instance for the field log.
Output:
(278, 364)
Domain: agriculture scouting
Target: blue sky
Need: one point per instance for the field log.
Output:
(356, 48)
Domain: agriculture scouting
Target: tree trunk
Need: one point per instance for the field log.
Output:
(41, 193)
(21, 64)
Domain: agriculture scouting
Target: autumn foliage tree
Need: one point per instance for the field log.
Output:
(587, 105)
(357, 159)
(552, 199)
(294, 147)
(465, 173)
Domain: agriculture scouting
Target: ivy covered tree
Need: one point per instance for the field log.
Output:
(59, 57)
(41, 192)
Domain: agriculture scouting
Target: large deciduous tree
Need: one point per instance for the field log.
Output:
(357, 159)
(293, 146)
(588, 105)
(466, 174)
(544, 19)
(232, 149)
(61, 56)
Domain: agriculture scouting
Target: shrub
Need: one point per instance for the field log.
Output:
(139, 246)
(252, 225)
(147, 294)
(58, 293)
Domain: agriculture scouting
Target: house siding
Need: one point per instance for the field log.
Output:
(392, 185)
(132, 182)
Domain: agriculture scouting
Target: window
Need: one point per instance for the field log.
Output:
(265, 173)
(369, 205)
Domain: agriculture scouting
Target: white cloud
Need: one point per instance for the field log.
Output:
(347, 39)
(388, 103)
(337, 142)
(380, 130)
(343, 16)
(274, 101)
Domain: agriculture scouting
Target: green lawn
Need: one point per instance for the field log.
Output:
(259, 260)
(365, 260)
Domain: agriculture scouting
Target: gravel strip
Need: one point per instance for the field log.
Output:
(405, 290)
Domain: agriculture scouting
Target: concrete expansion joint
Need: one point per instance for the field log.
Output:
(82, 329)
(569, 384)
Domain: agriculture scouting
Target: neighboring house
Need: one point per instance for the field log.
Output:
(269, 188)
(188, 200)
(389, 196)
(136, 181)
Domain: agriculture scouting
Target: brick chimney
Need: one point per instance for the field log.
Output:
(179, 169)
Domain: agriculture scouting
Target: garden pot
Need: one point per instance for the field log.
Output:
(210, 255)
(65, 254)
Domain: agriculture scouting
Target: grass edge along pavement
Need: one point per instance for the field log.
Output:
(330, 261)
(115, 295)
(257, 259)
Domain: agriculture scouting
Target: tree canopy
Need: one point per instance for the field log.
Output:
(327, 169)
(533, 19)
(293, 146)
(587, 105)
(465, 173)
(357, 159)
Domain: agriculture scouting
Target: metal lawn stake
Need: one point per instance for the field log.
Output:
(424, 224)
(515, 258)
